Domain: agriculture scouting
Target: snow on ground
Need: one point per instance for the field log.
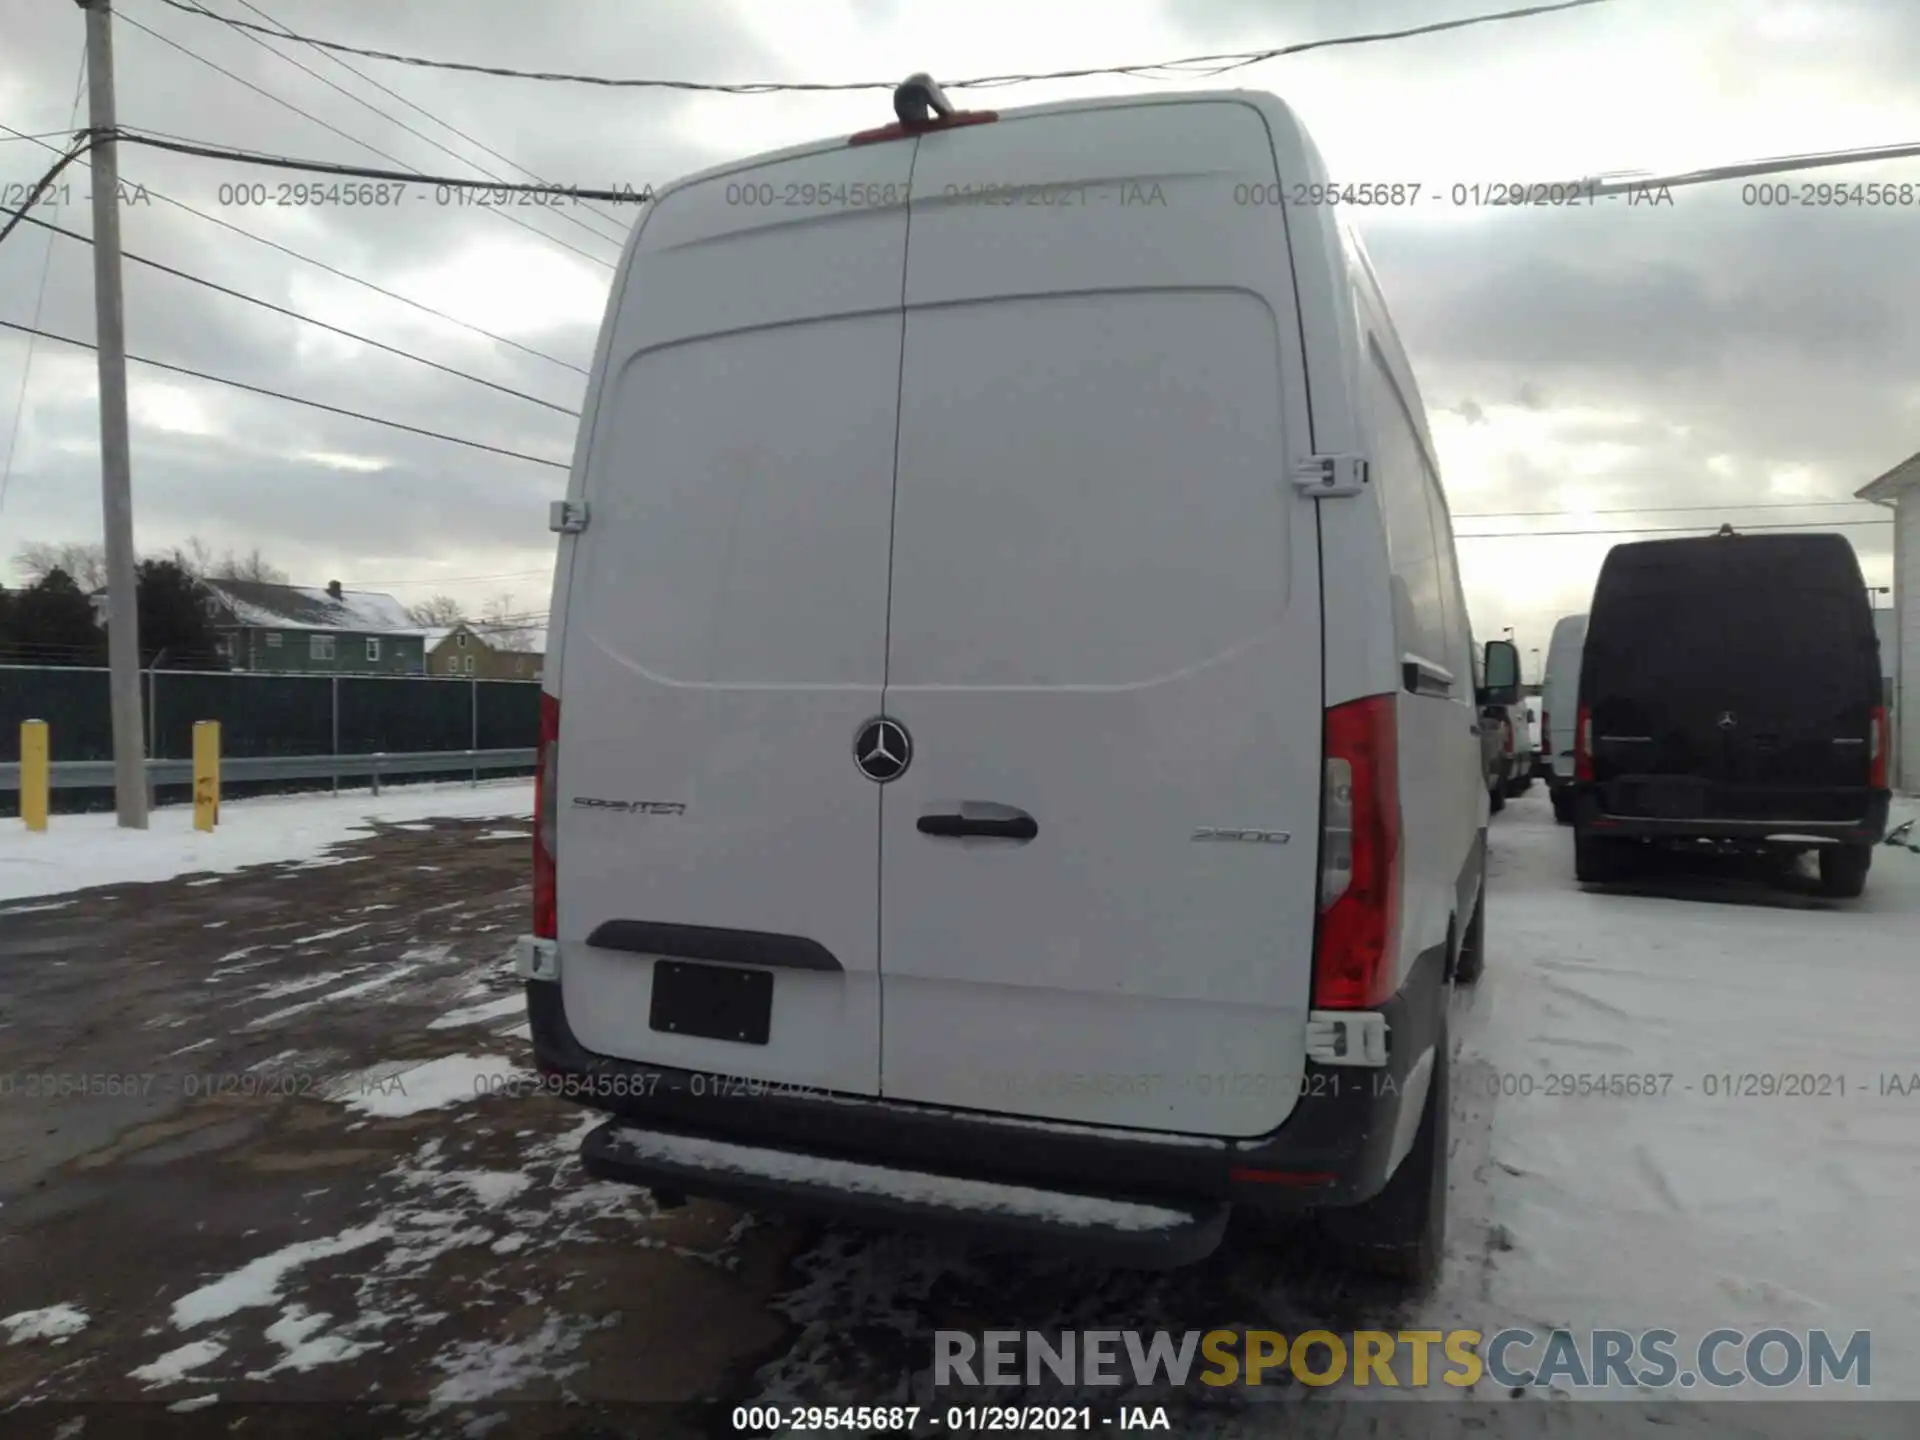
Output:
(176, 1365)
(54, 1322)
(258, 1282)
(1729, 1196)
(388, 1090)
(80, 851)
(511, 1004)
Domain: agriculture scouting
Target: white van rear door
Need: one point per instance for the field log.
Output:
(1105, 621)
(726, 631)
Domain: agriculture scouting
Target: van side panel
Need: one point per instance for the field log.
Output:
(1391, 576)
(726, 633)
(1560, 693)
(1105, 614)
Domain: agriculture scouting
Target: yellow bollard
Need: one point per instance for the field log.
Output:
(206, 774)
(34, 781)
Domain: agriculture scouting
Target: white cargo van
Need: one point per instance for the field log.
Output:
(1559, 700)
(1010, 759)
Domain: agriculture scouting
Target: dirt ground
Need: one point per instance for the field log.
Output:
(243, 1143)
(167, 1057)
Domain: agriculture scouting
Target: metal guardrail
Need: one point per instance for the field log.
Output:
(98, 774)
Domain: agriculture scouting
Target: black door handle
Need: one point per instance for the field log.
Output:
(1014, 827)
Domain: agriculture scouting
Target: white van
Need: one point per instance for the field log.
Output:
(1009, 751)
(1559, 700)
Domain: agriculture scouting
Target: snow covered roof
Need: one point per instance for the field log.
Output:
(300, 607)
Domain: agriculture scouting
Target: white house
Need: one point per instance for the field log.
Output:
(1899, 489)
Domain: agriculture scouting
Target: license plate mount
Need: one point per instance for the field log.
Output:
(712, 1002)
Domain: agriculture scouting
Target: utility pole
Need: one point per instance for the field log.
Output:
(116, 460)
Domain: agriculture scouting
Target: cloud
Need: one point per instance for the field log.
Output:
(1573, 359)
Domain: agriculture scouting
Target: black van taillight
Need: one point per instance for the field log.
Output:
(546, 812)
(1353, 962)
(1583, 744)
(1881, 743)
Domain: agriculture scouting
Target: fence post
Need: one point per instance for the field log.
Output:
(153, 730)
(378, 756)
(473, 714)
(206, 774)
(34, 775)
(335, 688)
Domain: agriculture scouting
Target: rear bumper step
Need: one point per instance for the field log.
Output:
(987, 1213)
(1867, 826)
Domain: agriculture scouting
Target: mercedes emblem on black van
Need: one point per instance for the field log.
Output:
(1727, 722)
(882, 749)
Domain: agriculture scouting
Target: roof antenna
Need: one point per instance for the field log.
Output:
(917, 100)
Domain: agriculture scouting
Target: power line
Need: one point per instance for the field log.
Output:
(1226, 62)
(327, 167)
(66, 134)
(39, 300)
(1592, 187)
(306, 319)
(1858, 155)
(1658, 509)
(328, 125)
(1666, 530)
(297, 399)
(73, 153)
(444, 124)
(330, 269)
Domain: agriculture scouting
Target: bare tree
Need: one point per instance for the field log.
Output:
(504, 626)
(442, 611)
(85, 561)
(251, 566)
(196, 557)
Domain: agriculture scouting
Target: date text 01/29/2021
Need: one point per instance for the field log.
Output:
(959, 1419)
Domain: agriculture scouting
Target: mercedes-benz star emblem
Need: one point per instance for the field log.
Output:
(1727, 722)
(883, 749)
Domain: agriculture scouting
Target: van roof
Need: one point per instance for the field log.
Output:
(1263, 99)
(1825, 554)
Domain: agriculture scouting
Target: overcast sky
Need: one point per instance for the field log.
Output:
(1573, 361)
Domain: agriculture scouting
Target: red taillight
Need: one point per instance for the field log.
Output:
(546, 809)
(1294, 1179)
(1546, 732)
(1882, 743)
(1583, 744)
(1359, 857)
(900, 130)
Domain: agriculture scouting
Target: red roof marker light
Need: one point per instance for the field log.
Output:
(922, 106)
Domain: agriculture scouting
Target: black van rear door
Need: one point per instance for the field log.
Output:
(1732, 669)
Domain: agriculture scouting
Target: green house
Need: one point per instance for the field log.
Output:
(291, 629)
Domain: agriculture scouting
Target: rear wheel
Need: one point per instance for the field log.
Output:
(1401, 1232)
(1598, 859)
(1497, 798)
(1520, 784)
(1563, 805)
(1843, 869)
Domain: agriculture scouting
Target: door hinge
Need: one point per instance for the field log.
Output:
(567, 517)
(1331, 474)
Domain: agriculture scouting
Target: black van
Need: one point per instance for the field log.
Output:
(1730, 693)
